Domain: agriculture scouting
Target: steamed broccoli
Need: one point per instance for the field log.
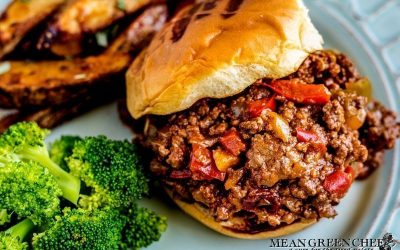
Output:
(142, 228)
(32, 182)
(25, 142)
(111, 169)
(102, 229)
(62, 148)
(13, 238)
(82, 229)
(4, 217)
(29, 190)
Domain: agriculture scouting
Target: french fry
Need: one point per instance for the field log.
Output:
(20, 17)
(82, 17)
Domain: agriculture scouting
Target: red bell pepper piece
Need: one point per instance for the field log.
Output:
(298, 91)
(313, 138)
(202, 164)
(306, 136)
(255, 108)
(180, 174)
(338, 182)
(232, 142)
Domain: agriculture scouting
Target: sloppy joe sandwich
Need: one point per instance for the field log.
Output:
(254, 129)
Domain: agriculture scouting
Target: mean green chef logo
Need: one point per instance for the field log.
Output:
(387, 242)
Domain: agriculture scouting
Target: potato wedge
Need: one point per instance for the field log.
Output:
(81, 17)
(20, 17)
(139, 33)
(27, 84)
(56, 115)
(55, 82)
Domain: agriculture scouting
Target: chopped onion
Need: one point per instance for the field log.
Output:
(355, 121)
(280, 127)
(361, 87)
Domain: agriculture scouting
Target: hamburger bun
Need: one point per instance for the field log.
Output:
(201, 214)
(217, 49)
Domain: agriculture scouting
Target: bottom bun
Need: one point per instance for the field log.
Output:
(200, 213)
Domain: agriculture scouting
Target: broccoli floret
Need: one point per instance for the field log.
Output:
(13, 238)
(82, 229)
(143, 227)
(4, 217)
(102, 229)
(111, 169)
(25, 142)
(29, 190)
(62, 148)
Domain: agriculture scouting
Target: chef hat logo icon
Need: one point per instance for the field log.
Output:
(388, 242)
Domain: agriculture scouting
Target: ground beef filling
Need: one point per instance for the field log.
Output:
(263, 159)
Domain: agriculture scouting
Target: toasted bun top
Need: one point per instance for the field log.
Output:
(217, 49)
(199, 213)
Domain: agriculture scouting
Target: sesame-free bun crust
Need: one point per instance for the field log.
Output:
(199, 213)
(223, 50)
